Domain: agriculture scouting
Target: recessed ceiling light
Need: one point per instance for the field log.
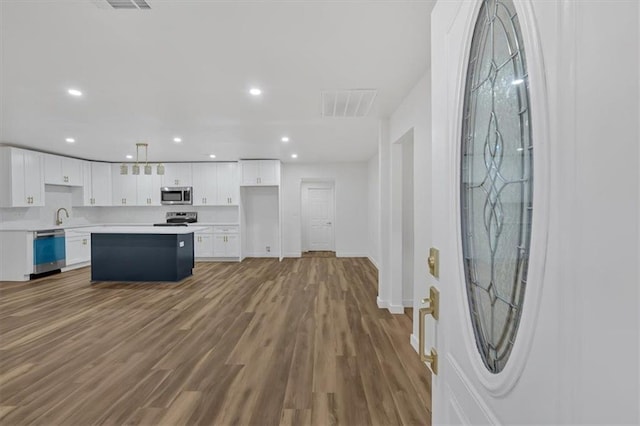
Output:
(129, 157)
(294, 155)
(285, 139)
(177, 140)
(212, 155)
(518, 81)
(74, 92)
(70, 140)
(255, 91)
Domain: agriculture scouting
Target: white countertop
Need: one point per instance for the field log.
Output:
(171, 230)
(39, 227)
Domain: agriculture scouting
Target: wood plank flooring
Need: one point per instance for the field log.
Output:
(262, 342)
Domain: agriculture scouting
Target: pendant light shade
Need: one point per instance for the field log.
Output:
(135, 168)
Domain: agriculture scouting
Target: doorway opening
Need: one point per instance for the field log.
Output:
(317, 218)
(402, 223)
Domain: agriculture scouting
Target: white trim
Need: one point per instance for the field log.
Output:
(349, 254)
(396, 309)
(415, 344)
(372, 260)
(262, 255)
(393, 309)
(407, 303)
(75, 266)
(292, 254)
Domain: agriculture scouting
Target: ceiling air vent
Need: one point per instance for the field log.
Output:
(125, 4)
(347, 103)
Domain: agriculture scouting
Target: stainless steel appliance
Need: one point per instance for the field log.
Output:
(48, 250)
(176, 195)
(179, 219)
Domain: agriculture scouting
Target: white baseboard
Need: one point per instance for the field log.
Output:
(407, 303)
(396, 309)
(217, 259)
(350, 254)
(414, 343)
(76, 266)
(292, 254)
(393, 309)
(261, 255)
(372, 260)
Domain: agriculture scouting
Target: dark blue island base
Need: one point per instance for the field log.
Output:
(141, 257)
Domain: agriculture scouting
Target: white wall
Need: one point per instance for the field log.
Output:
(260, 225)
(351, 192)
(373, 220)
(54, 198)
(413, 114)
(408, 237)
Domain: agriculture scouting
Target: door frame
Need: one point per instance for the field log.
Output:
(304, 184)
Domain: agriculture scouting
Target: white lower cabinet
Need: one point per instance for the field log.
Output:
(226, 241)
(203, 243)
(77, 248)
(226, 245)
(217, 242)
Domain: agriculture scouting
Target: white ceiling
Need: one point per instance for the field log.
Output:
(184, 69)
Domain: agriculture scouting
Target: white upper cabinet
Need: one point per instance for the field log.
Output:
(62, 170)
(215, 184)
(177, 174)
(148, 189)
(101, 184)
(96, 185)
(21, 178)
(205, 184)
(260, 172)
(228, 185)
(124, 191)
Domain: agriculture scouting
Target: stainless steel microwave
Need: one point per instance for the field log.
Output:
(176, 195)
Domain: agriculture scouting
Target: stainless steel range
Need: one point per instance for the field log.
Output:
(179, 219)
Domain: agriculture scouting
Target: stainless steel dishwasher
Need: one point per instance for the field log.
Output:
(48, 250)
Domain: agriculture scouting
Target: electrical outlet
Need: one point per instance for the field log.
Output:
(268, 249)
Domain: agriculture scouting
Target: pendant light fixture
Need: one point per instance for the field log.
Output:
(135, 169)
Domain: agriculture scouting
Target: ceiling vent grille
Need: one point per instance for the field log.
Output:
(352, 103)
(128, 4)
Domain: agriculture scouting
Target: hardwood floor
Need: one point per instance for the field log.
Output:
(262, 342)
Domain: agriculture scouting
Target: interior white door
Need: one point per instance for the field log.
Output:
(319, 209)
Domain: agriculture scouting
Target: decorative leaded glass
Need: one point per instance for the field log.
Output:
(497, 181)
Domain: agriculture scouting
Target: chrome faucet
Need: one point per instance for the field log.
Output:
(58, 220)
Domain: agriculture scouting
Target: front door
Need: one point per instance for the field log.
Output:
(535, 212)
(489, 217)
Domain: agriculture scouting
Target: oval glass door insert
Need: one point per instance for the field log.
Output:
(496, 181)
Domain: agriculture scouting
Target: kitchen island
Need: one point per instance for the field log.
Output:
(141, 253)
